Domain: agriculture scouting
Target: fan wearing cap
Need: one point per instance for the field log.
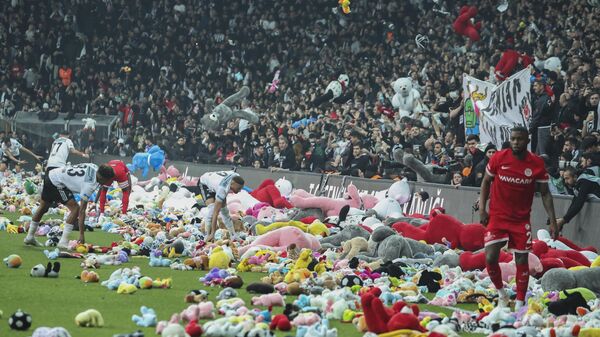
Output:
(123, 179)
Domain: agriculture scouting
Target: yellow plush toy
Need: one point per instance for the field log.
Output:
(89, 318)
(126, 288)
(596, 262)
(589, 332)
(218, 259)
(297, 275)
(304, 259)
(244, 266)
(315, 228)
(345, 6)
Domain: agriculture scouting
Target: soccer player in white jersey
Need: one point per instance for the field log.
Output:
(61, 148)
(11, 151)
(59, 186)
(214, 187)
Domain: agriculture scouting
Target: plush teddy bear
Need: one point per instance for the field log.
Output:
(281, 238)
(269, 193)
(274, 299)
(90, 124)
(330, 207)
(445, 229)
(407, 99)
(219, 115)
(347, 233)
(562, 279)
(89, 318)
(463, 26)
(336, 91)
(147, 319)
(353, 247)
(381, 319)
(509, 62)
(387, 245)
(154, 157)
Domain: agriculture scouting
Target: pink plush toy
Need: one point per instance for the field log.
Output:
(281, 238)
(253, 211)
(198, 311)
(270, 214)
(163, 324)
(509, 269)
(308, 318)
(330, 207)
(274, 299)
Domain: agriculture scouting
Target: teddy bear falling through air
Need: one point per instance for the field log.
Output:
(217, 116)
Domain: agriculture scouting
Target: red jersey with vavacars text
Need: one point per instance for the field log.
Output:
(514, 185)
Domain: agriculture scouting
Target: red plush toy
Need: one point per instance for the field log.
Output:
(193, 329)
(508, 62)
(548, 256)
(268, 192)
(280, 322)
(380, 318)
(473, 261)
(444, 229)
(463, 25)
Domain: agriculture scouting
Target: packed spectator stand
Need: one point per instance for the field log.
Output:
(153, 64)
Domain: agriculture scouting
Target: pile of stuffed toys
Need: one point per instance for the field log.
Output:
(357, 259)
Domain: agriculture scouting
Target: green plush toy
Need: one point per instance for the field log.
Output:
(30, 187)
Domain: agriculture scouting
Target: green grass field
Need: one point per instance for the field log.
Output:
(56, 302)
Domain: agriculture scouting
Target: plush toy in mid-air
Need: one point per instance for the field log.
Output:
(217, 116)
(272, 87)
(336, 91)
(463, 25)
(155, 157)
(345, 6)
(90, 124)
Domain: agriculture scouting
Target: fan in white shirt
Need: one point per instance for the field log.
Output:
(59, 186)
(11, 151)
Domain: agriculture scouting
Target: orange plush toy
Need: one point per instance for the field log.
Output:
(463, 25)
(268, 192)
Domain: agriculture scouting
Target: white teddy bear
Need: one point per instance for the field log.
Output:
(90, 124)
(406, 98)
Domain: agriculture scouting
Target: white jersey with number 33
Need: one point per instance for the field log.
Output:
(218, 182)
(78, 179)
(60, 152)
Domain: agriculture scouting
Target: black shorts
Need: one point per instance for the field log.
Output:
(206, 192)
(51, 193)
(7, 160)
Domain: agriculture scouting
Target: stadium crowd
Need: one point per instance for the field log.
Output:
(154, 62)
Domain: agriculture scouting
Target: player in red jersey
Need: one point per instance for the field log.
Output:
(515, 174)
(123, 178)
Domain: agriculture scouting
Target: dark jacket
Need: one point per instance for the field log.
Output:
(543, 114)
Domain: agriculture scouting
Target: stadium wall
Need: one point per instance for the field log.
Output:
(458, 202)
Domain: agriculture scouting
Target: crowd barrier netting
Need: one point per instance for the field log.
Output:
(42, 131)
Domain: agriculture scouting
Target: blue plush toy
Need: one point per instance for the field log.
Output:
(147, 319)
(159, 262)
(52, 255)
(155, 158)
